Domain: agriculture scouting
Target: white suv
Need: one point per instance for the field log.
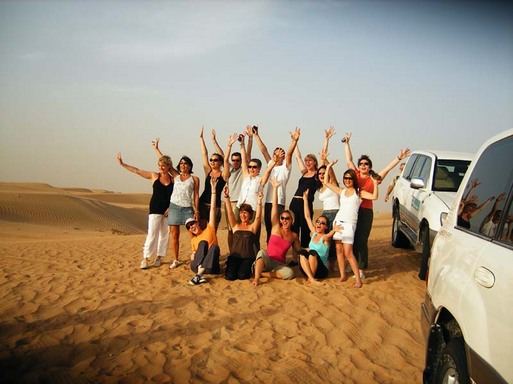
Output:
(467, 314)
(422, 197)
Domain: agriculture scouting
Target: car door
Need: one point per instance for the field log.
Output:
(486, 303)
(416, 197)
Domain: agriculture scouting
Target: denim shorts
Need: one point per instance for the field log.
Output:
(177, 215)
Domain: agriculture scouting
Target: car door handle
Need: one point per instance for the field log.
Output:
(484, 277)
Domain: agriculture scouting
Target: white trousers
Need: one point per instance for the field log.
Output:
(157, 239)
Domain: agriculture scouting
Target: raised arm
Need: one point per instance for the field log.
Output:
(328, 133)
(348, 153)
(155, 144)
(275, 213)
(212, 212)
(330, 174)
(258, 214)
(299, 159)
(204, 153)
(404, 153)
(294, 136)
(146, 174)
(307, 212)
(243, 156)
(216, 144)
(335, 188)
(267, 173)
(229, 209)
(260, 144)
(249, 133)
(226, 165)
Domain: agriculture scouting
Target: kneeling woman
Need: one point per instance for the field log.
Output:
(271, 262)
(313, 263)
(205, 251)
(244, 241)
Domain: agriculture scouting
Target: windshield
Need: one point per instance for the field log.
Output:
(448, 174)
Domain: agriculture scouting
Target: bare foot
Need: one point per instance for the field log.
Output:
(256, 282)
(342, 278)
(313, 282)
(358, 284)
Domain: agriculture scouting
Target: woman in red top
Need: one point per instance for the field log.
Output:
(365, 213)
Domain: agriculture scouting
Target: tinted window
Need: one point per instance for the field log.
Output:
(448, 174)
(488, 190)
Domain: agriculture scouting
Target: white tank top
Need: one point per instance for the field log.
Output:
(348, 211)
(183, 191)
(330, 200)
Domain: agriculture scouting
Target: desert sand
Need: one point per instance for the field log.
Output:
(76, 308)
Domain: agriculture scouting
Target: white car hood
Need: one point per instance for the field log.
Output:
(446, 197)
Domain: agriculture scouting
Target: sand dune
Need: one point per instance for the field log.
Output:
(75, 306)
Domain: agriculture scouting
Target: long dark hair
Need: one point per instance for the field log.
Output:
(352, 173)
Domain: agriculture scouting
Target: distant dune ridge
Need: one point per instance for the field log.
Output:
(76, 308)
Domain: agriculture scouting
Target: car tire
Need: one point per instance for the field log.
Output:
(426, 249)
(399, 239)
(453, 364)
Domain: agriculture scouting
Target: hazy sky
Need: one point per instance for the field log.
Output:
(82, 80)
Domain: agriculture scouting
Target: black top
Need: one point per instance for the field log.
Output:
(160, 198)
(207, 192)
(310, 183)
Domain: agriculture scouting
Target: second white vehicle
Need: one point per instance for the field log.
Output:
(422, 197)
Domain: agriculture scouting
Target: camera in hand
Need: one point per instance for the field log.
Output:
(254, 129)
(343, 140)
(375, 175)
(241, 136)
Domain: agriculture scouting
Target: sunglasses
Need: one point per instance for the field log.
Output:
(235, 160)
(363, 163)
(214, 160)
(252, 166)
(285, 218)
(322, 173)
(183, 163)
(320, 222)
(348, 178)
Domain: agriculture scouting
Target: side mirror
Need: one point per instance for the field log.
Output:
(417, 183)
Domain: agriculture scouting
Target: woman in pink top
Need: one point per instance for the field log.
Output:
(271, 262)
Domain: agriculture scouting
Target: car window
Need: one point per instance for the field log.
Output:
(487, 191)
(448, 174)
(417, 169)
(409, 167)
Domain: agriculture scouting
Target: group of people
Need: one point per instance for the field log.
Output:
(340, 233)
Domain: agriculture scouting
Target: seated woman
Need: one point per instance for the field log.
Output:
(244, 245)
(271, 262)
(205, 251)
(313, 263)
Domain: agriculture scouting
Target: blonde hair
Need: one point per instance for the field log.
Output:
(165, 160)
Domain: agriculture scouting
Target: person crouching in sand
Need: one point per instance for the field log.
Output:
(271, 262)
(313, 263)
